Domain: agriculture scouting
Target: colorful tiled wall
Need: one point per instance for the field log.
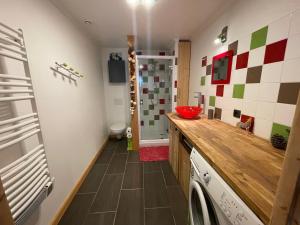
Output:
(155, 96)
(265, 78)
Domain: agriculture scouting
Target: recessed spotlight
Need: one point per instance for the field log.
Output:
(148, 3)
(88, 22)
(133, 3)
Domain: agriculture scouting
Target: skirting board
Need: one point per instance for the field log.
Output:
(75, 189)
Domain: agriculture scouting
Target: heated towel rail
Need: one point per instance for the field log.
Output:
(26, 182)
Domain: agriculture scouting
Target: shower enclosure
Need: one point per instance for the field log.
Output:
(154, 97)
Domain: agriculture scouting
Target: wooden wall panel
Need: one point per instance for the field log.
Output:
(184, 58)
(287, 187)
(5, 214)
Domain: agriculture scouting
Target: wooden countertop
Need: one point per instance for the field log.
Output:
(249, 164)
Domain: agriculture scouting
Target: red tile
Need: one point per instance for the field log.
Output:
(156, 79)
(275, 52)
(145, 67)
(145, 90)
(242, 60)
(244, 118)
(162, 53)
(175, 83)
(161, 111)
(220, 90)
(203, 99)
(162, 101)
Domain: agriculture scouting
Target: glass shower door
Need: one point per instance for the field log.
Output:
(155, 87)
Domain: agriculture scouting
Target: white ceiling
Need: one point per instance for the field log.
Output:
(156, 28)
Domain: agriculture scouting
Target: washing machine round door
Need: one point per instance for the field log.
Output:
(200, 206)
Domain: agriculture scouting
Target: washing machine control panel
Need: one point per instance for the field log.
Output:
(235, 210)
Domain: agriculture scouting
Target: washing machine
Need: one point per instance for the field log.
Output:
(212, 201)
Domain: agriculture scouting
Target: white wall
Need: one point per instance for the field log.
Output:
(242, 18)
(117, 100)
(72, 116)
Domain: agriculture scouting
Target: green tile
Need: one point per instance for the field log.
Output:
(212, 101)
(280, 129)
(156, 90)
(259, 38)
(202, 81)
(167, 90)
(145, 79)
(146, 112)
(151, 107)
(150, 96)
(238, 91)
(151, 122)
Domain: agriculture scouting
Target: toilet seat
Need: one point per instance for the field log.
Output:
(117, 127)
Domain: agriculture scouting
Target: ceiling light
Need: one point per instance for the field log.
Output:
(148, 3)
(88, 22)
(133, 3)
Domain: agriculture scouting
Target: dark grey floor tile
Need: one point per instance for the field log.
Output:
(108, 195)
(131, 208)
(93, 180)
(179, 204)
(161, 216)
(121, 146)
(133, 156)
(100, 219)
(168, 173)
(111, 144)
(133, 176)
(151, 167)
(155, 190)
(78, 210)
(105, 156)
(117, 164)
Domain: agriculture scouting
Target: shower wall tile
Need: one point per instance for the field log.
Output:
(271, 72)
(259, 38)
(275, 52)
(288, 73)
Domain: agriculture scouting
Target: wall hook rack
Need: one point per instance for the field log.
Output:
(66, 70)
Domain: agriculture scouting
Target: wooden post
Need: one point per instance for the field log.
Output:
(5, 214)
(286, 196)
(133, 95)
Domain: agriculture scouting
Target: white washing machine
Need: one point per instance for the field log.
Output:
(212, 201)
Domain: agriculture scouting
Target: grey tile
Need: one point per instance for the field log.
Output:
(152, 167)
(133, 156)
(168, 173)
(218, 113)
(92, 181)
(179, 204)
(288, 93)
(78, 210)
(133, 176)
(121, 146)
(161, 216)
(155, 190)
(100, 219)
(234, 47)
(208, 69)
(131, 208)
(254, 75)
(105, 156)
(117, 164)
(108, 195)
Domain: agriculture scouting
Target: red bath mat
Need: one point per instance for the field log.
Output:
(157, 153)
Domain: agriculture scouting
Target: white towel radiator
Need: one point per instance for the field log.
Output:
(26, 181)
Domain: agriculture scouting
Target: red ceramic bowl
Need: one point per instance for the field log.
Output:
(188, 112)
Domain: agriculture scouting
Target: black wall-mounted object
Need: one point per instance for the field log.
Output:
(237, 113)
(116, 71)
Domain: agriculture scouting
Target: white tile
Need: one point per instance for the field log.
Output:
(284, 114)
(256, 57)
(291, 71)
(269, 92)
(212, 90)
(203, 71)
(292, 49)
(237, 104)
(271, 72)
(251, 91)
(263, 128)
(228, 90)
(295, 23)
(227, 116)
(208, 80)
(244, 44)
(249, 108)
(233, 63)
(265, 110)
(239, 76)
(279, 29)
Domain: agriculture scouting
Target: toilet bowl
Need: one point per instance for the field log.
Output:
(117, 129)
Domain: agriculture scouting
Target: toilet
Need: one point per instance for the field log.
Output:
(118, 129)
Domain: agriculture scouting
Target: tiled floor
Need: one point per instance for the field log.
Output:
(121, 190)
